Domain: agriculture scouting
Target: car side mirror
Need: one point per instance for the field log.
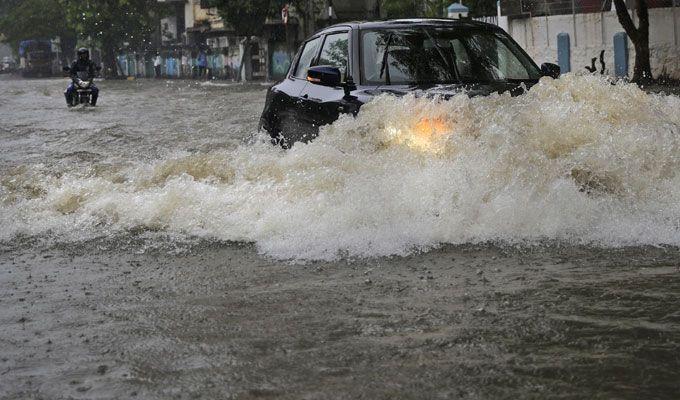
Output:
(551, 70)
(324, 75)
(66, 69)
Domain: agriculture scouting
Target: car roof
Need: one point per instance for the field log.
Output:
(410, 22)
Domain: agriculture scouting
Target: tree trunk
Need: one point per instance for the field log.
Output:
(643, 69)
(642, 72)
(304, 13)
(246, 51)
(110, 61)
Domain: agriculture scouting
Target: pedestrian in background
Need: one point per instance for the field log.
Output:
(193, 64)
(210, 64)
(202, 63)
(157, 65)
(176, 65)
(185, 64)
(139, 59)
(225, 63)
(168, 65)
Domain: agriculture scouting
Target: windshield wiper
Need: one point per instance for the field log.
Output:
(384, 67)
(441, 54)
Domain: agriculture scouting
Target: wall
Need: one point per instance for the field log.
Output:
(348, 10)
(194, 14)
(280, 58)
(169, 28)
(189, 14)
(595, 32)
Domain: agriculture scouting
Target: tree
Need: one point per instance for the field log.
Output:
(639, 35)
(481, 8)
(400, 8)
(114, 24)
(8, 5)
(33, 19)
(306, 10)
(247, 18)
(108, 24)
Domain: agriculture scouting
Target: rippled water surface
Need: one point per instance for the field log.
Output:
(481, 248)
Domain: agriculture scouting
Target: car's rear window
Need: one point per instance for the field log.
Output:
(438, 55)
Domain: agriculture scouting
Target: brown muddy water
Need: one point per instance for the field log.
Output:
(155, 247)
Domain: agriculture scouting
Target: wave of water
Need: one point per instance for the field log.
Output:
(576, 160)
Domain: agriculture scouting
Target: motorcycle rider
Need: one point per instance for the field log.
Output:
(84, 69)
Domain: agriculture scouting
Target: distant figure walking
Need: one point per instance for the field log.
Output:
(185, 64)
(157, 65)
(139, 59)
(202, 63)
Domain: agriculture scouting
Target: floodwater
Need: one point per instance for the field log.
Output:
(157, 247)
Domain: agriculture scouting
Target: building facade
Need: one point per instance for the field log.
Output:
(195, 26)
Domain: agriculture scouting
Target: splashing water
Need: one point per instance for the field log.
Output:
(575, 160)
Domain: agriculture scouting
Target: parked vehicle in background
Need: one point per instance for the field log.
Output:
(342, 67)
(7, 65)
(36, 58)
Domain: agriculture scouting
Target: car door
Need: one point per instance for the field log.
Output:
(284, 110)
(322, 105)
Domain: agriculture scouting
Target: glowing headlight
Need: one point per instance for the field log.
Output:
(428, 127)
(424, 134)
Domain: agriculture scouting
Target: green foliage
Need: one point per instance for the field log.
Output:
(399, 8)
(481, 8)
(246, 17)
(114, 23)
(105, 23)
(7, 5)
(437, 8)
(32, 19)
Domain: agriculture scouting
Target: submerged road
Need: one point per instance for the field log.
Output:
(114, 284)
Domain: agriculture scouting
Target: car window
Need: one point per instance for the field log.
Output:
(462, 59)
(496, 58)
(306, 57)
(403, 57)
(442, 55)
(335, 51)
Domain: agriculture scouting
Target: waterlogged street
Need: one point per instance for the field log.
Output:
(156, 247)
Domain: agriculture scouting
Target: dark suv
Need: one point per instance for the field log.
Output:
(344, 66)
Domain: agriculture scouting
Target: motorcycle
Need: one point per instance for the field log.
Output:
(83, 90)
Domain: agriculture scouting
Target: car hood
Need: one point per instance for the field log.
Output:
(449, 90)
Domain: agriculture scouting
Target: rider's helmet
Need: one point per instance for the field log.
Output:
(83, 54)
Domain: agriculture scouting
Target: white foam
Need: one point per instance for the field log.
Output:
(576, 160)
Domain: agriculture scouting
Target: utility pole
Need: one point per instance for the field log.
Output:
(310, 16)
(675, 24)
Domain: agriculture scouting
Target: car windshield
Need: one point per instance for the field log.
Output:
(436, 55)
